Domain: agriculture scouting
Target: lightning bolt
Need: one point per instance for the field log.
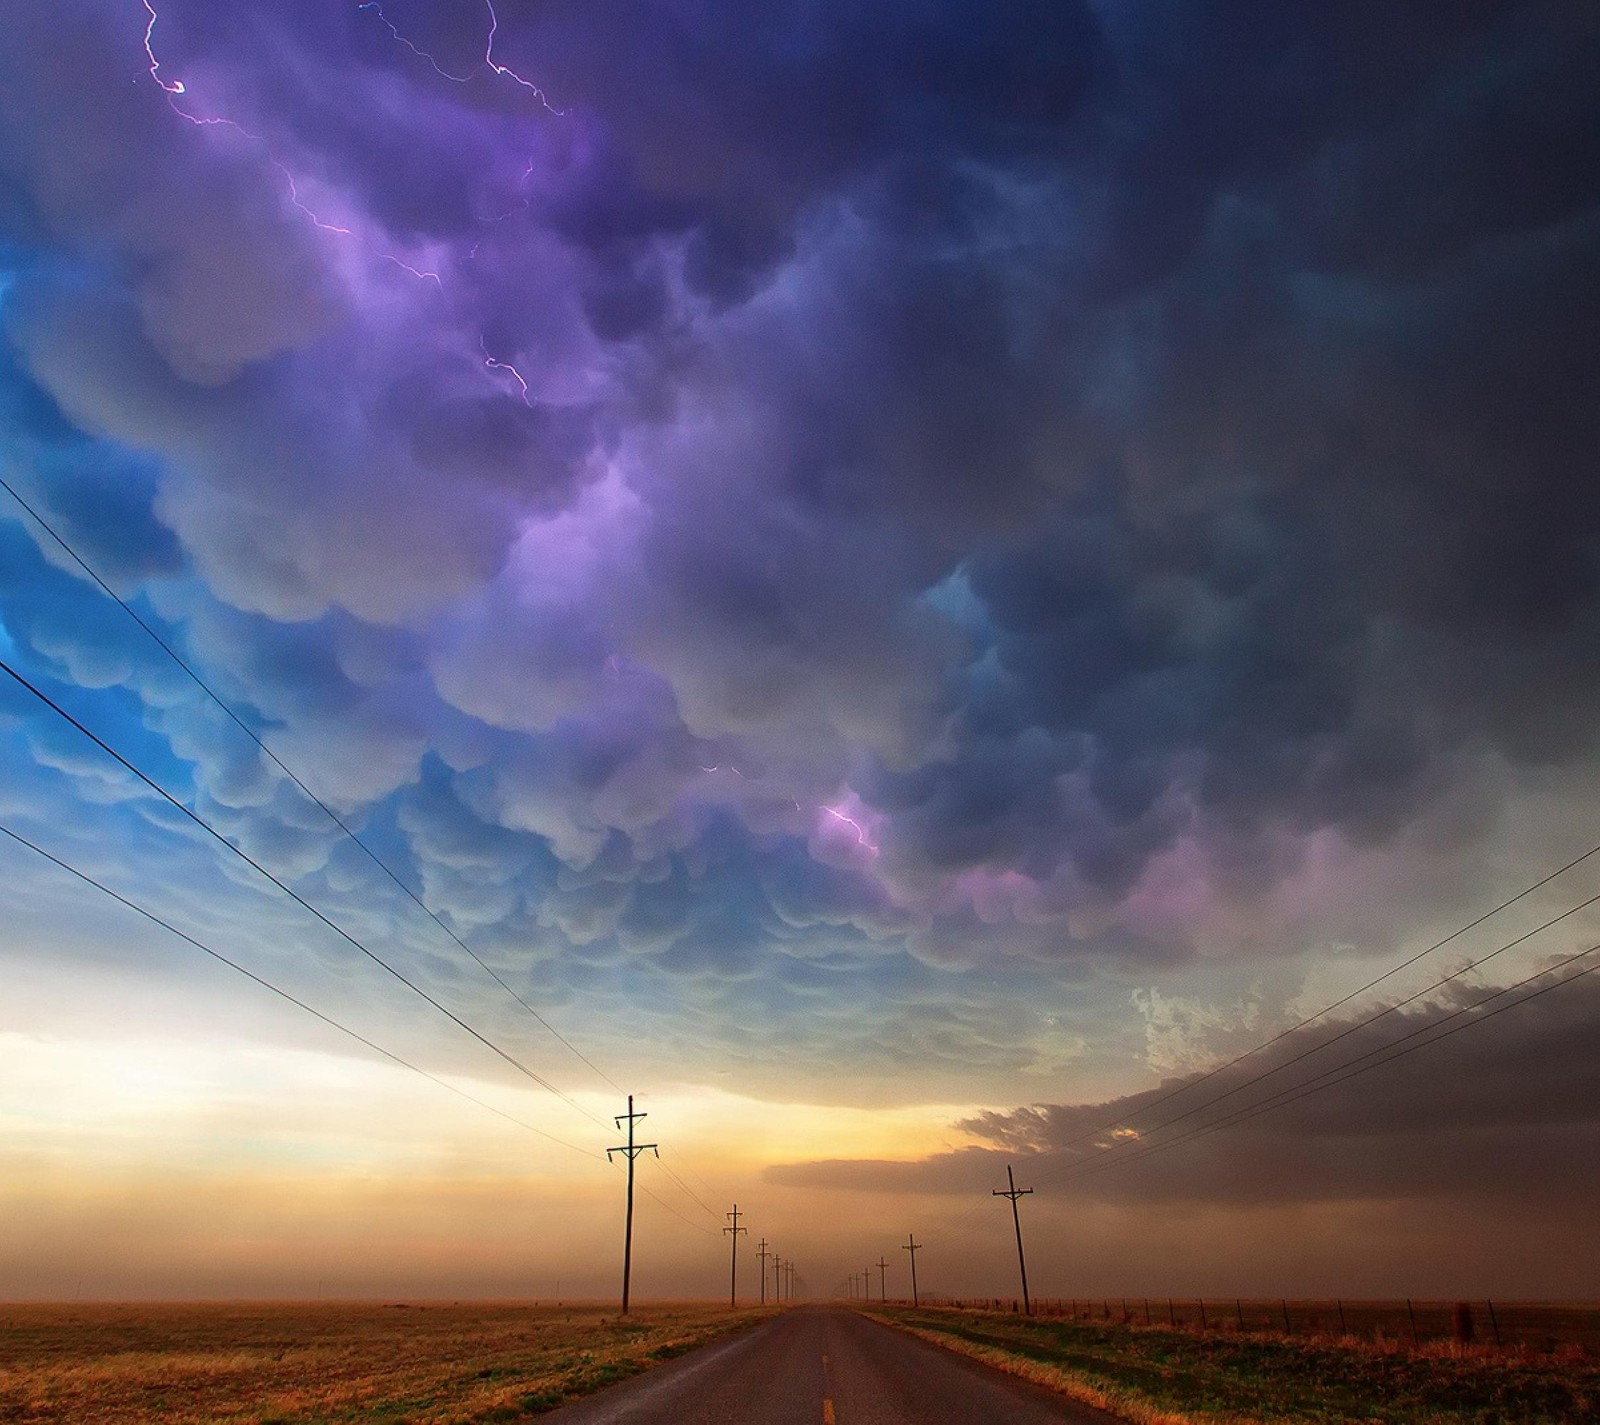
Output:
(489, 62)
(175, 89)
(862, 839)
(173, 86)
(506, 366)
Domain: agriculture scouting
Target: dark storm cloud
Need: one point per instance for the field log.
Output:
(1504, 1111)
(993, 483)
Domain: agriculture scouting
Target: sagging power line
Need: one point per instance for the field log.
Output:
(280, 992)
(294, 777)
(211, 831)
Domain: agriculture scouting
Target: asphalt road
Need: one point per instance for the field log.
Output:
(823, 1366)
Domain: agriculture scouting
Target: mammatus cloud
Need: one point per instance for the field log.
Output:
(854, 494)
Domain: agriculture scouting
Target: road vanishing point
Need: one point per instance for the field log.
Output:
(824, 1365)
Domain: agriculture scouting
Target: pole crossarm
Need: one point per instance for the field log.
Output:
(1014, 1193)
(631, 1151)
(733, 1265)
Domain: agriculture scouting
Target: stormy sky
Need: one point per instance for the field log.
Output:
(905, 575)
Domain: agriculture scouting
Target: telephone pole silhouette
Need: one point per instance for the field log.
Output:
(777, 1278)
(763, 1254)
(632, 1150)
(913, 1246)
(733, 1266)
(788, 1268)
(883, 1280)
(1016, 1221)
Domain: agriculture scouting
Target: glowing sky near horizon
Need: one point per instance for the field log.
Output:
(901, 573)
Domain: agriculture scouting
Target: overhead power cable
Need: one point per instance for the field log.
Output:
(687, 1190)
(1126, 1120)
(287, 771)
(294, 895)
(1354, 1027)
(1425, 1035)
(282, 993)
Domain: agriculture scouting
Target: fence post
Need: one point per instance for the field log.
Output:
(1204, 1325)
(1413, 1315)
(1287, 1329)
(1147, 1311)
(1172, 1318)
(1238, 1310)
(1494, 1321)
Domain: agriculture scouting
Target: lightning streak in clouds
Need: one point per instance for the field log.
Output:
(862, 839)
(489, 62)
(174, 88)
(516, 375)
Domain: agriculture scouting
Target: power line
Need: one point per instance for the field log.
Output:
(278, 990)
(294, 895)
(282, 766)
(1265, 1044)
(1352, 1028)
(685, 1188)
(1348, 1030)
(1354, 1068)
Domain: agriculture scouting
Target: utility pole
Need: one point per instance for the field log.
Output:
(1016, 1221)
(733, 1266)
(913, 1246)
(633, 1150)
(789, 1268)
(883, 1281)
(763, 1254)
(777, 1278)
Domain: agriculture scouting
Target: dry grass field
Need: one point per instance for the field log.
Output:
(273, 1364)
(1545, 1326)
(1158, 1375)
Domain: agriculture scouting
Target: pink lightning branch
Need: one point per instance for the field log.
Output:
(176, 89)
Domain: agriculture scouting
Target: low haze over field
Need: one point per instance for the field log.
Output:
(903, 574)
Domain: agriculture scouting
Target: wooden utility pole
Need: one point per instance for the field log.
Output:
(913, 1246)
(789, 1268)
(777, 1278)
(632, 1150)
(763, 1254)
(1016, 1221)
(883, 1281)
(733, 1266)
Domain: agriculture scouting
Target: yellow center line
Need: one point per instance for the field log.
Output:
(827, 1412)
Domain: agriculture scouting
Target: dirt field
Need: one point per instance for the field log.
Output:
(272, 1364)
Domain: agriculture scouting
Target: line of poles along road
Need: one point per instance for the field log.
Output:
(785, 1277)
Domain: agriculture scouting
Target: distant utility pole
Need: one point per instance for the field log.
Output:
(763, 1254)
(883, 1281)
(1016, 1221)
(789, 1268)
(913, 1246)
(733, 1266)
(633, 1150)
(777, 1278)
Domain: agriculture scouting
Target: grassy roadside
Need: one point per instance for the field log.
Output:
(1162, 1377)
(330, 1364)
